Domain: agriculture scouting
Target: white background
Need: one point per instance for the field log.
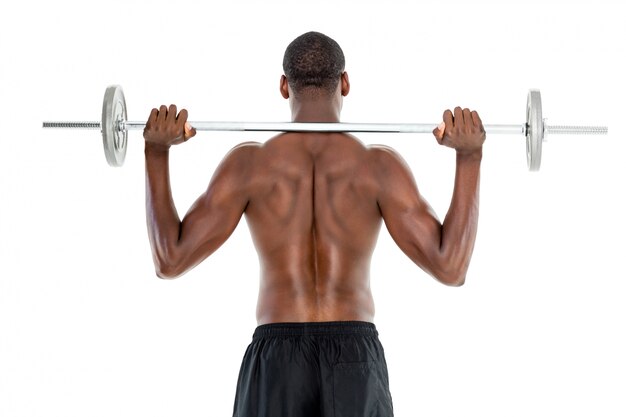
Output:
(86, 328)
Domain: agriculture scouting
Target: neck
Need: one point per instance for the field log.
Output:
(319, 110)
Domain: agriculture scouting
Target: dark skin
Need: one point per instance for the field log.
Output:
(314, 203)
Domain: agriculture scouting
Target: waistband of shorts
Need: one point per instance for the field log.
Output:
(316, 328)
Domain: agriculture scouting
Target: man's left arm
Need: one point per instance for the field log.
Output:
(178, 246)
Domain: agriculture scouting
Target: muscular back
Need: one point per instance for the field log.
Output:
(314, 219)
(314, 203)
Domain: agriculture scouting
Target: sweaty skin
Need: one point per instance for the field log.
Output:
(314, 204)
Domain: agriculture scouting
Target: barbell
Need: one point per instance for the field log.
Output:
(115, 127)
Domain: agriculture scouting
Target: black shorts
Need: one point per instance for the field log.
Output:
(327, 369)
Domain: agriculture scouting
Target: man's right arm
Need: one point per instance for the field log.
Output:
(442, 250)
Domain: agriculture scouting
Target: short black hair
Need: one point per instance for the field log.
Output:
(313, 60)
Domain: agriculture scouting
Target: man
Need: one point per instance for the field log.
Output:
(314, 203)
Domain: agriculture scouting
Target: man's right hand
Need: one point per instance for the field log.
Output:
(462, 131)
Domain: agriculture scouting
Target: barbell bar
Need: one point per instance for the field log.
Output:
(115, 126)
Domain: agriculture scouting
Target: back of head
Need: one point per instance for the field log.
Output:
(313, 63)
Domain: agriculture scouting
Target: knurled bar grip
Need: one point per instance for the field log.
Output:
(115, 127)
(575, 130)
(73, 125)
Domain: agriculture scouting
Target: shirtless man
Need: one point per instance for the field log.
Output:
(314, 203)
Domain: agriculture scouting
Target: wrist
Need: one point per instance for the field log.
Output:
(156, 148)
(475, 155)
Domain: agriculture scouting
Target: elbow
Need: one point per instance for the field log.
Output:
(451, 277)
(454, 280)
(450, 270)
(166, 273)
(166, 269)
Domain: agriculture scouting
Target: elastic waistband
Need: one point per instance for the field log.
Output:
(316, 328)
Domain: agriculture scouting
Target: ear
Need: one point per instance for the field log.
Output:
(345, 84)
(284, 87)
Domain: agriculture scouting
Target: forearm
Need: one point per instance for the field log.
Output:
(458, 232)
(162, 219)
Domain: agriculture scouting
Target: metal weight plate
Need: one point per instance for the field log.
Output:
(534, 130)
(113, 115)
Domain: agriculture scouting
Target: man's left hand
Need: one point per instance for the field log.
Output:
(166, 127)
